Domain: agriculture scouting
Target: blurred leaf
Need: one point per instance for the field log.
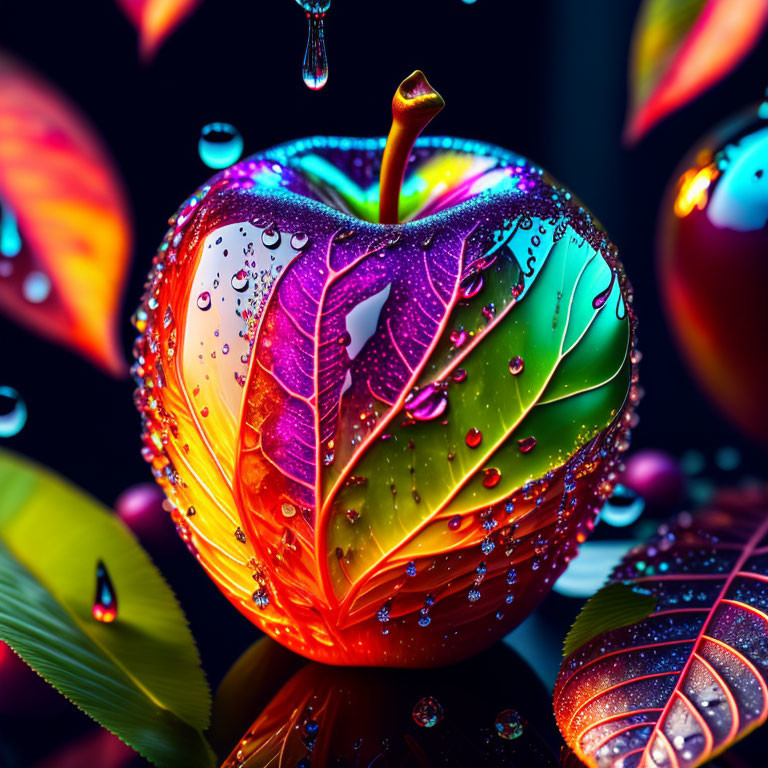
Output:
(65, 220)
(682, 47)
(614, 606)
(680, 685)
(97, 749)
(155, 20)
(139, 676)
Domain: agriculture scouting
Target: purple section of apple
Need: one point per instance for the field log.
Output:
(657, 477)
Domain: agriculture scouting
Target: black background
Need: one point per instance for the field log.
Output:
(547, 79)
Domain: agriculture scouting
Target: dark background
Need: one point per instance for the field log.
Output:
(547, 79)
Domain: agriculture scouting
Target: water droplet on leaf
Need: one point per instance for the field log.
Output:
(105, 600)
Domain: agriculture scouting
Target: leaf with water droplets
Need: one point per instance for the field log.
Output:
(680, 49)
(139, 676)
(64, 276)
(681, 684)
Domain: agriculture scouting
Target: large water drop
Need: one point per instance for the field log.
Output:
(220, 145)
(315, 68)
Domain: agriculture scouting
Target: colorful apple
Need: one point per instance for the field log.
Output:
(713, 267)
(385, 441)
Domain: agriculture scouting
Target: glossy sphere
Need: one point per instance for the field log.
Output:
(329, 405)
(713, 245)
(141, 508)
(657, 478)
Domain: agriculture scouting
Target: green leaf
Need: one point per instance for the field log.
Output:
(140, 676)
(574, 383)
(612, 607)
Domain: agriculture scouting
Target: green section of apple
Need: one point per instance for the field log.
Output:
(575, 380)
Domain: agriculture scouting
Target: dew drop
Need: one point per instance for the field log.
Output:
(602, 297)
(474, 437)
(220, 145)
(13, 412)
(261, 598)
(105, 600)
(454, 523)
(459, 375)
(299, 241)
(427, 403)
(427, 712)
(509, 724)
(491, 477)
(471, 286)
(240, 281)
(36, 287)
(516, 366)
(204, 301)
(270, 238)
(458, 338)
(527, 444)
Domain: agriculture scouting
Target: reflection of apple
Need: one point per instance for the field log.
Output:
(326, 716)
(383, 441)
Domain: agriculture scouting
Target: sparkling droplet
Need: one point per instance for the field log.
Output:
(105, 600)
(410, 569)
(240, 281)
(516, 365)
(454, 522)
(288, 510)
(261, 598)
(471, 286)
(459, 375)
(299, 241)
(13, 412)
(458, 338)
(509, 724)
(220, 145)
(428, 403)
(204, 301)
(474, 437)
(36, 287)
(270, 238)
(427, 712)
(491, 477)
(314, 71)
(527, 444)
(602, 297)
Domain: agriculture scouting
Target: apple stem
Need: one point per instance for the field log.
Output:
(415, 103)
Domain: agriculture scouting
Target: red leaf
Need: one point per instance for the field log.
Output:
(67, 198)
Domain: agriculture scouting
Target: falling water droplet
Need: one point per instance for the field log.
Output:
(509, 724)
(474, 437)
(204, 301)
(105, 600)
(13, 412)
(516, 365)
(10, 239)
(315, 68)
(428, 403)
(36, 287)
(220, 145)
(427, 712)
(527, 444)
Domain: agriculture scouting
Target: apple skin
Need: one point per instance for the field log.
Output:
(385, 442)
(712, 242)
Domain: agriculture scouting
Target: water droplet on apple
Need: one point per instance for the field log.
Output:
(240, 281)
(204, 301)
(474, 437)
(427, 403)
(299, 241)
(516, 365)
(220, 145)
(13, 412)
(105, 601)
(270, 238)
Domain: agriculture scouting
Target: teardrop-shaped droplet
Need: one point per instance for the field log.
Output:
(474, 437)
(471, 285)
(315, 69)
(105, 600)
(220, 145)
(428, 403)
(10, 239)
(428, 712)
(13, 412)
(204, 301)
(527, 444)
(602, 297)
(516, 366)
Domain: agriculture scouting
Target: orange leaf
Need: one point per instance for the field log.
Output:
(65, 215)
(155, 20)
(680, 48)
